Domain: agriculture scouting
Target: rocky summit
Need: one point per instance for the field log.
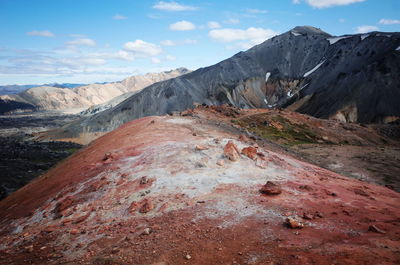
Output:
(203, 188)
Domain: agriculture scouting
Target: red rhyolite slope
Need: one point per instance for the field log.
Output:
(159, 190)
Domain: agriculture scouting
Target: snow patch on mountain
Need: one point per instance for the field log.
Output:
(267, 75)
(364, 36)
(336, 39)
(314, 69)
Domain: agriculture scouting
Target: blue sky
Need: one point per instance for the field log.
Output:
(85, 41)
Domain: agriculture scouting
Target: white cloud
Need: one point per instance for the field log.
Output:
(82, 42)
(256, 11)
(179, 42)
(173, 6)
(389, 21)
(123, 55)
(232, 21)
(155, 60)
(342, 20)
(213, 25)
(328, 3)
(43, 33)
(182, 26)
(255, 35)
(189, 41)
(170, 58)
(365, 29)
(168, 43)
(119, 17)
(142, 48)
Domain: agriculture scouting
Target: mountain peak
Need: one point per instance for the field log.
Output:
(309, 30)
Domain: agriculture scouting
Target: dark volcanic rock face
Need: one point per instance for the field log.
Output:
(350, 78)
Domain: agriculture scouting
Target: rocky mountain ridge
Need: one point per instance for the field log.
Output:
(353, 78)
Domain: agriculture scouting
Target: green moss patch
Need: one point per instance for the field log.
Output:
(276, 128)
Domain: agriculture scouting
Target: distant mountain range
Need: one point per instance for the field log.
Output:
(72, 96)
(14, 89)
(352, 78)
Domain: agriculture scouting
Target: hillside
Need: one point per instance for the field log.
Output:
(352, 78)
(198, 189)
(62, 98)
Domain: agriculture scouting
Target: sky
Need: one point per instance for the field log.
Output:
(87, 41)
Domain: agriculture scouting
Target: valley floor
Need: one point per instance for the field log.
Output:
(21, 158)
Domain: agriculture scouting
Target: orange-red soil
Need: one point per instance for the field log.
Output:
(147, 194)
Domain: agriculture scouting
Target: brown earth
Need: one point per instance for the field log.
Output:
(147, 194)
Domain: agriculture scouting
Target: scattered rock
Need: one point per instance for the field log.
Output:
(243, 138)
(82, 218)
(114, 251)
(201, 147)
(375, 229)
(146, 231)
(305, 187)
(144, 180)
(330, 193)
(108, 157)
(146, 207)
(250, 152)
(308, 216)
(346, 212)
(63, 205)
(188, 257)
(319, 215)
(261, 163)
(29, 248)
(74, 231)
(294, 223)
(220, 162)
(271, 188)
(50, 229)
(231, 151)
(96, 185)
(361, 192)
(133, 207)
(200, 165)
